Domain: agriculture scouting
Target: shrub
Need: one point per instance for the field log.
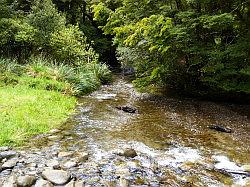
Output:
(70, 45)
(46, 74)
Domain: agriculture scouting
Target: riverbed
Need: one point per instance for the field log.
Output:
(171, 137)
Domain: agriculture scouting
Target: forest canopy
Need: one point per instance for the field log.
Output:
(198, 47)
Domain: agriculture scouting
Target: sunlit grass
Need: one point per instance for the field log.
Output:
(25, 112)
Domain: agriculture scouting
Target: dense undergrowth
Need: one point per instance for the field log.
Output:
(38, 95)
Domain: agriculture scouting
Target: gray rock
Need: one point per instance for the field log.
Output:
(53, 164)
(123, 182)
(26, 181)
(5, 148)
(246, 168)
(82, 157)
(11, 182)
(7, 154)
(54, 137)
(54, 131)
(69, 164)
(105, 96)
(9, 164)
(65, 154)
(43, 183)
(58, 177)
(75, 184)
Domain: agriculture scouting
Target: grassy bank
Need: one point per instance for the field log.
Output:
(40, 94)
(25, 112)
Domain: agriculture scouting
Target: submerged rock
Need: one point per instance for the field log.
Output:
(127, 109)
(246, 168)
(220, 128)
(129, 153)
(58, 177)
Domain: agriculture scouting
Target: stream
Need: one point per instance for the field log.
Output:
(171, 138)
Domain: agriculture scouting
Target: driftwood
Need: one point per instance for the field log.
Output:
(127, 109)
(220, 128)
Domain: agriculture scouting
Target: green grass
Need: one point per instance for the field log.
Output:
(39, 95)
(25, 112)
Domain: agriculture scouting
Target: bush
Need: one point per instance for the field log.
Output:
(70, 45)
(46, 74)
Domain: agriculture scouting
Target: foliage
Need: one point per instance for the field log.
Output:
(41, 73)
(46, 20)
(197, 47)
(70, 45)
(41, 29)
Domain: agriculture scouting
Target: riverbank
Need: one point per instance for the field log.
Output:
(39, 95)
(25, 112)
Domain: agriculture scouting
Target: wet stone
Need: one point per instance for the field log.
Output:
(220, 128)
(129, 153)
(127, 109)
(58, 177)
(26, 181)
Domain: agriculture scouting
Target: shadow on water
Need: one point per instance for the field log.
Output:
(175, 147)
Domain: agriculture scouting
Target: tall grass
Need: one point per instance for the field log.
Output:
(43, 73)
(37, 96)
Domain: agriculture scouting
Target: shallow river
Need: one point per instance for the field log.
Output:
(174, 145)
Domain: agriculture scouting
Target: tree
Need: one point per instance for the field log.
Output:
(197, 47)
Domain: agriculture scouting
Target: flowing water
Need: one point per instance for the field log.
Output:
(174, 145)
